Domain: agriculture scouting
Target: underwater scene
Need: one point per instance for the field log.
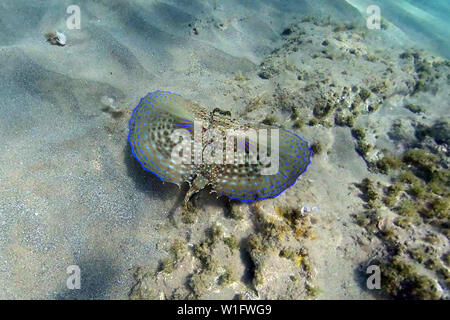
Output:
(225, 150)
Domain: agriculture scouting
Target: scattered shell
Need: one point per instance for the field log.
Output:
(107, 101)
(56, 38)
(111, 106)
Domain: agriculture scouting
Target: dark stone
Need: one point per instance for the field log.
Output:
(286, 32)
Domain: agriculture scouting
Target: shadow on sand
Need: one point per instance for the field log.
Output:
(150, 184)
(97, 274)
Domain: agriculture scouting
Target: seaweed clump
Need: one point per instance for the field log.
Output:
(424, 162)
(392, 194)
(231, 242)
(316, 148)
(206, 276)
(321, 110)
(177, 252)
(359, 133)
(408, 210)
(272, 233)
(370, 192)
(387, 164)
(269, 121)
(364, 94)
(402, 281)
(414, 108)
(227, 277)
(189, 213)
(439, 208)
(234, 210)
(362, 147)
(342, 119)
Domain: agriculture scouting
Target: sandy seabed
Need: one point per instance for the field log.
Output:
(72, 193)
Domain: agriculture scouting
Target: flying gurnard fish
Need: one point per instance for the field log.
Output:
(160, 113)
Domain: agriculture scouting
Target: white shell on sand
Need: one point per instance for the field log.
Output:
(61, 38)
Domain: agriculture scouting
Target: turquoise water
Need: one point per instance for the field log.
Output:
(426, 22)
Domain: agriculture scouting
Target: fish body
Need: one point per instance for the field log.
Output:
(247, 177)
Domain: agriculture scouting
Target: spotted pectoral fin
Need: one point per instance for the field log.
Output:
(151, 129)
(249, 182)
